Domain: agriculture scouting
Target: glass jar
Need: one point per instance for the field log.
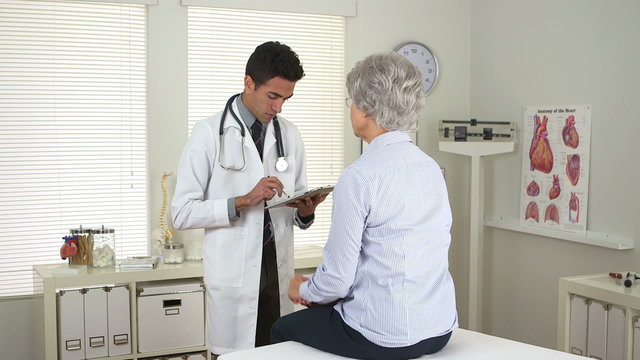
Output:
(84, 244)
(173, 253)
(104, 247)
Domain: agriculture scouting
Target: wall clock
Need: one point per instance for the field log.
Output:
(424, 59)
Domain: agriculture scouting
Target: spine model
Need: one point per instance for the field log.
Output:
(166, 231)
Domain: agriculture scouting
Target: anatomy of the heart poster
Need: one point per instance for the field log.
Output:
(555, 167)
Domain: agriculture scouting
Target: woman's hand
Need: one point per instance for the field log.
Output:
(294, 289)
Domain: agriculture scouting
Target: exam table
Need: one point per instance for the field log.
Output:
(464, 345)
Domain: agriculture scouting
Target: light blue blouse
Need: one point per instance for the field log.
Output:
(387, 251)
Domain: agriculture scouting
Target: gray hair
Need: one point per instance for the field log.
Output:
(389, 88)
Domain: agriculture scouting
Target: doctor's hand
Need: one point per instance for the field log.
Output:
(294, 289)
(307, 206)
(264, 190)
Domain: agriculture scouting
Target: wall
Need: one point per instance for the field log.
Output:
(380, 25)
(495, 56)
(556, 53)
(16, 328)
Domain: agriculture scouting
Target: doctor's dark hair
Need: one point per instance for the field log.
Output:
(273, 59)
(389, 88)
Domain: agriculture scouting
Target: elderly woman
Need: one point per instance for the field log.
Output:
(383, 290)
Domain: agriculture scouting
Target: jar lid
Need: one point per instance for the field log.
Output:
(173, 245)
(104, 230)
(81, 230)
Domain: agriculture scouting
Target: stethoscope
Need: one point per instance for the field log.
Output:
(281, 163)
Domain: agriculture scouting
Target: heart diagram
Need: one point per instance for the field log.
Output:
(540, 153)
(554, 191)
(569, 133)
(574, 208)
(573, 168)
(552, 214)
(533, 189)
(532, 212)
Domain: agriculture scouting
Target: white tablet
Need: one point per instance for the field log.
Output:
(309, 193)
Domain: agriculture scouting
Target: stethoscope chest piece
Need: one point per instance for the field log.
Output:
(281, 164)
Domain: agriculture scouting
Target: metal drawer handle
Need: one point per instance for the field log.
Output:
(72, 345)
(120, 339)
(175, 311)
(96, 341)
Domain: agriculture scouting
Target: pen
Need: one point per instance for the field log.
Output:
(283, 192)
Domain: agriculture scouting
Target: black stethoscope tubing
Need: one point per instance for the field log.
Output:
(233, 113)
(279, 144)
(276, 125)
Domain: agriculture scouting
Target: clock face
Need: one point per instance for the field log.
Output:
(424, 60)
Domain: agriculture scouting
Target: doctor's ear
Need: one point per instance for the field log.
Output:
(249, 84)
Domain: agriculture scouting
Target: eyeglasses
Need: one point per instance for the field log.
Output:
(348, 102)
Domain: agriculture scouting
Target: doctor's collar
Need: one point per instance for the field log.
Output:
(247, 117)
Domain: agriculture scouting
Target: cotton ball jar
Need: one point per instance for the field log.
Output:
(103, 256)
(173, 253)
(104, 244)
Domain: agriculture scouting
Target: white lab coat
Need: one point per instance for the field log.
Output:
(233, 250)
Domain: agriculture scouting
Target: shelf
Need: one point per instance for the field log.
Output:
(49, 278)
(610, 241)
(574, 334)
(112, 275)
(604, 288)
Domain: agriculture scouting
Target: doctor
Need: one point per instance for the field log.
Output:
(234, 162)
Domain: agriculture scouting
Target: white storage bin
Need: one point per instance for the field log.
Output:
(119, 338)
(95, 323)
(636, 339)
(70, 324)
(578, 327)
(170, 314)
(616, 333)
(195, 356)
(596, 330)
(191, 356)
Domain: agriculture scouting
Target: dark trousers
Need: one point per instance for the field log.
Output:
(269, 298)
(323, 328)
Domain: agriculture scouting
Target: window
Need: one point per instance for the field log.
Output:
(72, 130)
(219, 43)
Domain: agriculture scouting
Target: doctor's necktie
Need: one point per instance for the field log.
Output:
(258, 139)
(256, 134)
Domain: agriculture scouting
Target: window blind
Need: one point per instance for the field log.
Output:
(219, 43)
(72, 130)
